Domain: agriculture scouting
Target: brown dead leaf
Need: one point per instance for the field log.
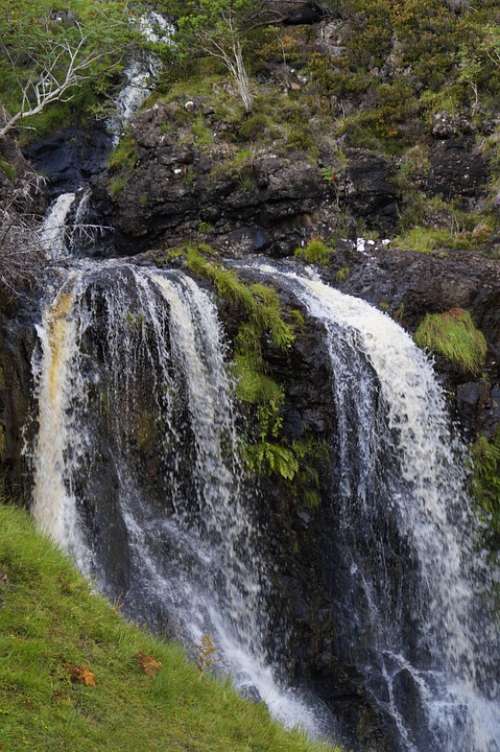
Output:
(149, 665)
(82, 675)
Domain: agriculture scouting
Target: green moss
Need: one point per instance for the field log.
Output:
(50, 621)
(342, 274)
(315, 252)
(454, 335)
(313, 459)
(486, 484)
(205, 228)
(125, 156)
(262, 323)
(146, 433)
(117, 184)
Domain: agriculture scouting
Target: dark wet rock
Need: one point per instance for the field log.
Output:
(293, 13)
(17, 420)
(251, 693)
(175, 189)
(457, 168)
(70, 157)
(373, 194)
(271, 202)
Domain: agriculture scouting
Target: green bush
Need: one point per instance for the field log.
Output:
(454, 335)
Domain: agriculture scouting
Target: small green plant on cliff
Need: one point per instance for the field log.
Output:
(313, 460)
(342, 274)
(454, 335)
(486, 485)
(202, 134)
(121, 163)
(125, 156)
(315, 252)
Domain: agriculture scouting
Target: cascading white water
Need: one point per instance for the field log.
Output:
(415, 624)
(140, 72)
(53, 231)
(128, 353)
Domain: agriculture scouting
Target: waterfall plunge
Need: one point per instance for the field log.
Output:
(420, 636)
(126, 352)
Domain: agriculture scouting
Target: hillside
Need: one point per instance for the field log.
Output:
(51, 624)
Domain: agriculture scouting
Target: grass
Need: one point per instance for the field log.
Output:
(315, 252)
(428, 239)
(454, 335)
(51, 624)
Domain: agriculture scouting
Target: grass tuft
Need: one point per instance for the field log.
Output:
(315, 252)
(454, 335)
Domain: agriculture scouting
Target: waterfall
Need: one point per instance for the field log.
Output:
(140, 72)
(53, 231)
(136, 465)
(410, 589)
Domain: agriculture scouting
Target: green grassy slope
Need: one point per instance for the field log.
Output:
(50, 622)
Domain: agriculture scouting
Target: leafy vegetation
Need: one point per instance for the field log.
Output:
(33, 33)
(454, 335)
(74, 675)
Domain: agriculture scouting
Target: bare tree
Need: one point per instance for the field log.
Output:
(21, 253)
(227, 47)
(62, 67)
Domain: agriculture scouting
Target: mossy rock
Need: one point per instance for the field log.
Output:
(486, 485)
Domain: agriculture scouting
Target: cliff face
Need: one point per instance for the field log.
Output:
(352, 143)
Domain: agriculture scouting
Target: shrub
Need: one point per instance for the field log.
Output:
(454, 335)
(315, 252)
